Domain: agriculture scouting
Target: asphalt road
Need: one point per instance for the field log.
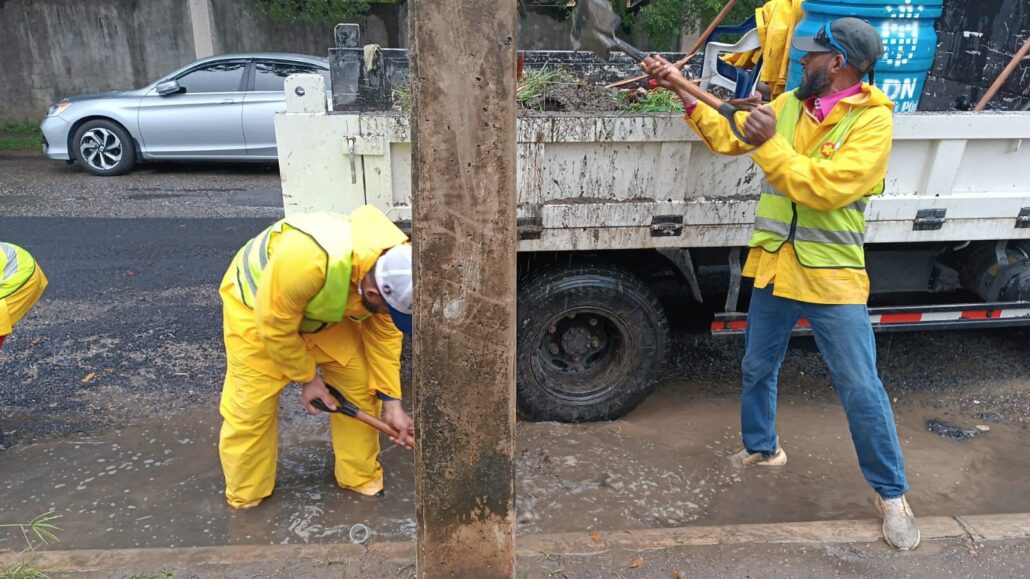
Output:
(129, 326)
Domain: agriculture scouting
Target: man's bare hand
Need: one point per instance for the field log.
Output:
(760, 125)
(668, 76)
(316, 390)
(395, 416)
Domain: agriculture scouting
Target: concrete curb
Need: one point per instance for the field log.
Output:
(974, 527)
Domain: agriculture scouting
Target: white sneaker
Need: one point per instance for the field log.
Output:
(900, 529)
(742, 458)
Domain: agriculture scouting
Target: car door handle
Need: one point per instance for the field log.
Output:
(228, 101)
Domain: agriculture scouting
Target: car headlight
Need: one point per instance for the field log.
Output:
(57, 109)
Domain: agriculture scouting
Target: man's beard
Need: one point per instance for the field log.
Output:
(815, 81)
(368, 305)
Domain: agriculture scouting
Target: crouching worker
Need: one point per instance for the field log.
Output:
(21, 284)
(314, 291)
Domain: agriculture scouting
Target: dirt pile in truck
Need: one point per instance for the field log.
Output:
(559, 90)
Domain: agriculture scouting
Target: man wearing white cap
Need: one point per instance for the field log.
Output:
(316, 291)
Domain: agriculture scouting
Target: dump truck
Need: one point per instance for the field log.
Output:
(623, 217)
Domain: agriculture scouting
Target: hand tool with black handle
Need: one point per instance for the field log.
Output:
(344, 406)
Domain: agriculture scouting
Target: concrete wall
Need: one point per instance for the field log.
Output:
(238, 26)
(55, 48)
(547, 28)
(50, 49)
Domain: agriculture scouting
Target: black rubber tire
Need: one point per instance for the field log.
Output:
(126, 151)
(616, 317)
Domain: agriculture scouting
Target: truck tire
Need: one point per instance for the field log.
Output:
(104, 148)
(591, 343)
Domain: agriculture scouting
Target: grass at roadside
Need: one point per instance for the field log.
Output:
(19, 136)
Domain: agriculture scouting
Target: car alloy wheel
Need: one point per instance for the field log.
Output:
(101, 148)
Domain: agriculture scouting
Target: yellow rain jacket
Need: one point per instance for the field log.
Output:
(359, 355)
(266, 338)
(855, 169)
(21, 284)
(775, 22)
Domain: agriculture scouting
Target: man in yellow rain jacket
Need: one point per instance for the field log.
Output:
(823, 149)
(21, 284)
(314, 291)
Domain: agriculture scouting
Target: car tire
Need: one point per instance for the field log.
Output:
(591, 343)
(104, 148)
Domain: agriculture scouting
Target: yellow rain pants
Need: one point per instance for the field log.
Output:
(14, 307)
(248, 443)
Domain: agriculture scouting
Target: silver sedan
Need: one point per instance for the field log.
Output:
(219, 108)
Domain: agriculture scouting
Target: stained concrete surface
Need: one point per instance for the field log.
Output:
(132, 301)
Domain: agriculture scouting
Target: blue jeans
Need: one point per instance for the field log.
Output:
(845, 339)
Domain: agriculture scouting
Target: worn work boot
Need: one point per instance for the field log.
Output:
(249, 505)
(742, 458)
(900, 529)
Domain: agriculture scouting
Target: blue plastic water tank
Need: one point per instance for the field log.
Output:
(909, 41)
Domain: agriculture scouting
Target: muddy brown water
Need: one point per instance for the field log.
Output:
(663, 465)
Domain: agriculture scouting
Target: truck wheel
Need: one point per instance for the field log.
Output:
(591, 342)
(104, 148)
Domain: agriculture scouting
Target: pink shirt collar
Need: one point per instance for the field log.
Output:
(827, 102)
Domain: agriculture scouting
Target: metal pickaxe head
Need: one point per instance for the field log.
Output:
(593, 28)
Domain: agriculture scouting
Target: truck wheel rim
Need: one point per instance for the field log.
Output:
(101, 149)
(583, 350)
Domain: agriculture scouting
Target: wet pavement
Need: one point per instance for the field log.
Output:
(662, 466)
(109, 389)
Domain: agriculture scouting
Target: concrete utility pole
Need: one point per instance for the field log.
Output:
(463, 189)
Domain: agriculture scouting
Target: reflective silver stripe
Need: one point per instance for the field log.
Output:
(858, 206)
(823, 236)
(772, 226)
(263, 256)
(768, 189)
(246, 268)
(12, 261)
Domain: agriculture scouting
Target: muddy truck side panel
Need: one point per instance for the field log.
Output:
(613, 207)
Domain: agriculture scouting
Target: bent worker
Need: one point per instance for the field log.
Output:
(21, 284)
(314, 291)
(823, 149)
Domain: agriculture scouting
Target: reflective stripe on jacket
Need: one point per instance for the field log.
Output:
(332, 233)
(822, 239)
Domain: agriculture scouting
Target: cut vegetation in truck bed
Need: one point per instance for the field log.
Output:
(557, 90)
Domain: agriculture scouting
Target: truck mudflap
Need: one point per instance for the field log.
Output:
(908, 318)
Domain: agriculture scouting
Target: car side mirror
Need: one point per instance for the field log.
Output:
(168, 87)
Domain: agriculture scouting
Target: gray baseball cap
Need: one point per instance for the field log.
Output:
(854, 39)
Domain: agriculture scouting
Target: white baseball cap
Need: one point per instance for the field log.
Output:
(393, 277)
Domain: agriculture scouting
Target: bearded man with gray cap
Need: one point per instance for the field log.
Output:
(314, 292)
(824, 150)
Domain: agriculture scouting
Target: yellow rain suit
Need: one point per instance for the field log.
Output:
(775, 22)
(21, 284)
(265, 351)
(855, 168)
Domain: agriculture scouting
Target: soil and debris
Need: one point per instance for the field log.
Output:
(558, 90)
